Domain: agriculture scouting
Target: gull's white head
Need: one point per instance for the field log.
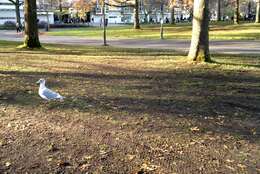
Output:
(41, 81)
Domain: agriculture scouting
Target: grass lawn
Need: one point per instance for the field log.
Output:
(218, 31)
(128, 111)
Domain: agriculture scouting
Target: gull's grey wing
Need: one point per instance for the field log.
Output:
(49, 94)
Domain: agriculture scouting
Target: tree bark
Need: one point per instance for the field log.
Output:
(17, 11)
(145, 18)
(219, 10)
(172, 15)
(199, 48)
(60, 9)
(31, 26)
(162, 19)
(257, 18)
(236, 12)
(249, 8)
(104, 23)
(136, 15)
(60, 5)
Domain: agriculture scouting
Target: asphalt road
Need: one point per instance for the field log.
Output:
(221, 47)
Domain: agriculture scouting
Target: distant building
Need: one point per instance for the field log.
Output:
(7, 13)
(122, 15)
(115, 15)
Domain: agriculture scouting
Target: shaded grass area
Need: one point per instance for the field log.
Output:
(128, 111)
(218, 31)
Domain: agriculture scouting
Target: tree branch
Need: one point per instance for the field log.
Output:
(120, 6)
(13, 2)
(120, 2)
(16, 2)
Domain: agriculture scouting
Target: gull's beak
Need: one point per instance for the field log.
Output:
(38, 82)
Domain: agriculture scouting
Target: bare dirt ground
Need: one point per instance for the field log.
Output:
(128, 111)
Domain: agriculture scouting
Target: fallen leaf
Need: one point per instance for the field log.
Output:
(9, 125)
(193, 143)
(52, 148)
(241, 166)
(108, 118)
(149, 167)
(225, 146)
(103, 152)
(63, 164)
(88, 157)
(229, 161)
(231, 168)
(84, 166)
(49, 159)
(7, 164)
(195, 129)
(130, 157)
(253, 131)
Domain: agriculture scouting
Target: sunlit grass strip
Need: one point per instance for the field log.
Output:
(219, 31)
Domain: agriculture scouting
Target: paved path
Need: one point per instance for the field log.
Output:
(221, 47)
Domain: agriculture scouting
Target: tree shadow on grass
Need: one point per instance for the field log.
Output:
(194, 95)
(235, 60)
(50, 49)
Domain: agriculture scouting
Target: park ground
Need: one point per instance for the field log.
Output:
(218, 31)
(128, 111)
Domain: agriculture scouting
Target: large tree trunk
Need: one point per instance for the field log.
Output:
(219, 10)
(257, 18)
(172, 14)
(199, 48)
(17, 11)
(31, 26)
(236, 12)
(136, 15)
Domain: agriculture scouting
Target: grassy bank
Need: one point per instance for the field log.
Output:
(218, 31)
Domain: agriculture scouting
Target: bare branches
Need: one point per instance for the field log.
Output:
(118, 3)
(17, 2)
(12, 1)
(120, 6)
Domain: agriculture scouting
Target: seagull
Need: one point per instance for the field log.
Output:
(46, 93)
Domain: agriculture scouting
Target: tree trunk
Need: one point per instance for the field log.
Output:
(236, 12)
(60, 9)
(31, 26)
(199, 48)
(257, 17)
(60, 5)
(172, 15)
(162, 19)
(219, 10)
(17, 11)
(48, 21)
(145, 18)
(104, 23)
(136, 15)
(249, 8)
